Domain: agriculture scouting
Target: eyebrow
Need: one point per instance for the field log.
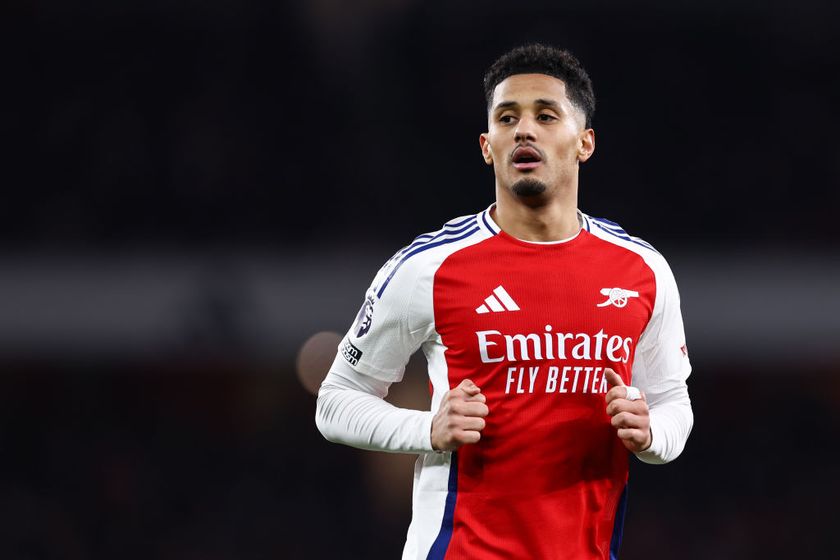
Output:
(548, 103)
(541, 102)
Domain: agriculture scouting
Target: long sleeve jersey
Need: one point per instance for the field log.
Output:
(534, 325)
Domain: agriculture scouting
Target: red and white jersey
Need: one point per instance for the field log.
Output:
(533, 325)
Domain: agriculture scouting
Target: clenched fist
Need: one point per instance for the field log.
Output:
(460, 418)
(631, 418)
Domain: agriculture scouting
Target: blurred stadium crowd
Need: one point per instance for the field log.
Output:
(194, 191)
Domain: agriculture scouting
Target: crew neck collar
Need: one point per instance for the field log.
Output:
(491, 225)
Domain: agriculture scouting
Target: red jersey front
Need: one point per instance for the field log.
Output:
(533, 325)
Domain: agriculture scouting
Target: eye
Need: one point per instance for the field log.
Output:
(545, 117)
(506, 119)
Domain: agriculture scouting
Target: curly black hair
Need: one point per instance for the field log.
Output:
(544, 59)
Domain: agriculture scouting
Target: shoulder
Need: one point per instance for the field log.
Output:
(611, 232)
(424, 254)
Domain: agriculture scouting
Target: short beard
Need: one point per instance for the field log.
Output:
(528, 188)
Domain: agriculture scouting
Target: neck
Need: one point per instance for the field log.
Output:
(550, 220)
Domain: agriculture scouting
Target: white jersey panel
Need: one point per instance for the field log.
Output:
(431, 471)
(428, 501)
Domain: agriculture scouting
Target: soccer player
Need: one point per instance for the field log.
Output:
(554, 342)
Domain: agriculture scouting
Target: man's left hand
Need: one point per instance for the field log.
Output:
(631, 418)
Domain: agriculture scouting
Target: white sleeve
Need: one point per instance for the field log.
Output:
(351, 410)
(671, 420)
(393, 323)
(661, 367)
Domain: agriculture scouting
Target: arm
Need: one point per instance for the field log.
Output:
(391, 325)
(351, 410)
(653, 426)
(656, 426)
(396, 319)
(671, 420)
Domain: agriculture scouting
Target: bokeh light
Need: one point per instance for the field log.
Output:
(315, 357)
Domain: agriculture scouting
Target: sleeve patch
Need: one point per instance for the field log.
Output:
(351, 353)
(365, 317)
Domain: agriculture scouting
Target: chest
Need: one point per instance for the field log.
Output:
(502, 302)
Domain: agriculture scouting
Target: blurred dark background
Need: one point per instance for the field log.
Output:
(192, 190)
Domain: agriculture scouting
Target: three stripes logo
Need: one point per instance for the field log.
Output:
(498, 302)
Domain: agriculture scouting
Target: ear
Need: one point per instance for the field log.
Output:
(586, 145)
(486, 150)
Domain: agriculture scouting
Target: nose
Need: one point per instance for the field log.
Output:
(526, 129)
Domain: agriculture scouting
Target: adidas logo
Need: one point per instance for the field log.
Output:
(499, 301)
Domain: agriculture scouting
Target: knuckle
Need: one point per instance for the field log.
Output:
(622, 419)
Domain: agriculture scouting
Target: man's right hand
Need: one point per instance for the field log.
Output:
(460, 418)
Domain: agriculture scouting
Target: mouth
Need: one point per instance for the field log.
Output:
(526, 158)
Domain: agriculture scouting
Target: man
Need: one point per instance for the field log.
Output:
(554, 342)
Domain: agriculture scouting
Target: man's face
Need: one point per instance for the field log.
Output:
(536, 138)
